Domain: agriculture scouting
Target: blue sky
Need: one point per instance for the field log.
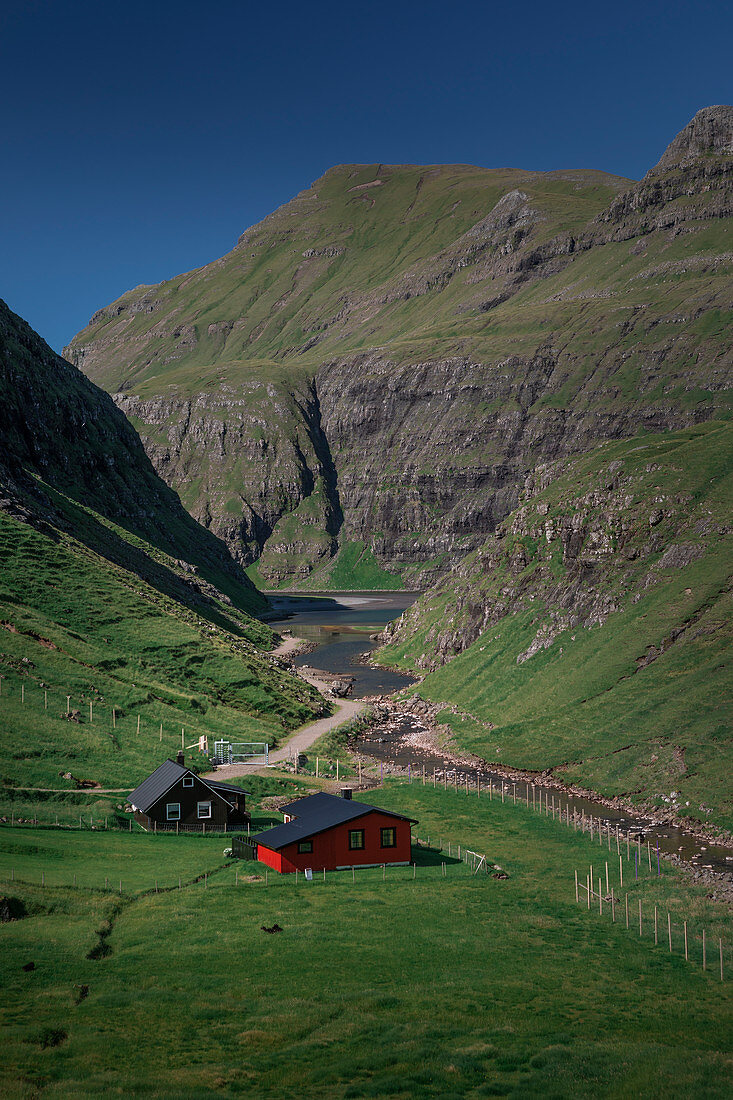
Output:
(139, 140)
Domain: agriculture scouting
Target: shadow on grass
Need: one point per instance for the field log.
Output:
(422, 856)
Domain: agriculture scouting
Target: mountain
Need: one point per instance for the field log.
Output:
(589, 636)
(111, 593)
(355, 394)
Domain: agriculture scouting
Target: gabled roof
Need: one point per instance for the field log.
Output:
(216, 785)
(165, 777)
(315, 814)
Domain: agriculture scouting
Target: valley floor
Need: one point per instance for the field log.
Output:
(429, 981)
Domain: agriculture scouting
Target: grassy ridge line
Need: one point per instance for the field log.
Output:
(589, 703)
(479, 988)
(68, 457)
(283, 297)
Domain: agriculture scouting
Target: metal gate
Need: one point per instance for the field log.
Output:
(241, 752)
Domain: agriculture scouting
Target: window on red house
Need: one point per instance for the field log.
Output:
(305, 846)
(389, 838)
(356, 839)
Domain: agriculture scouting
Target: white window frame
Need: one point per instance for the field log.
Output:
(168, 807)
(188, 781)
(203, 816)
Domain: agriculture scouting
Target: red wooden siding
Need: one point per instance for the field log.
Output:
(331, 847)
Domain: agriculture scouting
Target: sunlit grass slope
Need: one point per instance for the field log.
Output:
(77, 624)
(616, 576)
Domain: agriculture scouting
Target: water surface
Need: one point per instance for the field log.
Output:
(340, 626)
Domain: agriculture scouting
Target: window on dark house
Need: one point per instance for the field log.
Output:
(188, 781)
(204, 809)
(389, 838)
(356, 839)
(305, 846)
(173, 811)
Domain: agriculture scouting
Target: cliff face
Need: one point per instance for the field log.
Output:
(383, 361)
(61, 434)
(588, 635)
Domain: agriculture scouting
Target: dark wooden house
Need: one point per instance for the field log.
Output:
(174, 797)
(324, 831)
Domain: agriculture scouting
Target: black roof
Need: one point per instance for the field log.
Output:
(223, 786)
(315, 814)
(165, 777)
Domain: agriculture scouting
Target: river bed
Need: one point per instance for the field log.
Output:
(339, 626)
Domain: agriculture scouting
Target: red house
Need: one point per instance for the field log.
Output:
(324, 831)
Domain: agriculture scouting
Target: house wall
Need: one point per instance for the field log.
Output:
(331, 848)
(189, 797)
(270, 858)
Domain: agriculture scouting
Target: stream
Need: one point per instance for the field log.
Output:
(339, 626)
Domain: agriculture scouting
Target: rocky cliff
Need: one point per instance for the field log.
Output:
(589, 634)
(375, 369)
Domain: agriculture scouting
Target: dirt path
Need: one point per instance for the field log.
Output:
(302, 739)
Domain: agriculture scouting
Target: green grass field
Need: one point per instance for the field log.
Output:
(428, 986)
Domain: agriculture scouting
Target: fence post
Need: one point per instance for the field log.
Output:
(639, 916)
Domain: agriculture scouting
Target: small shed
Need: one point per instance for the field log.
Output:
(174, 797)
(323, 831)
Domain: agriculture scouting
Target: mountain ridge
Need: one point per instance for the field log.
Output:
(436, 334)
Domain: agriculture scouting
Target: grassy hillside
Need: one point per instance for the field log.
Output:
(359, 995)
(382, 360)
(111, 594)
(590, 634)
(75, 623)
(353, 235)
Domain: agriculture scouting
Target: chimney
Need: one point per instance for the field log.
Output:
(180, 757)
(346, 793)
